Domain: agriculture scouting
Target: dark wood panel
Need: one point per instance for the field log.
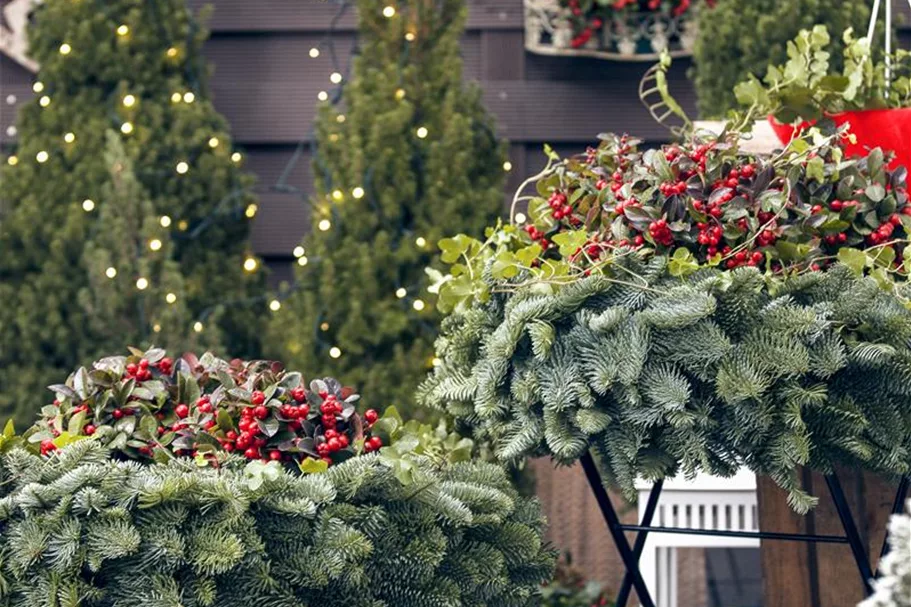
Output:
(317, 15)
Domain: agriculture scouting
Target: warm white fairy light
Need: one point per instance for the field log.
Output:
(521, 218)
(11, 130)
(126, 128)
(156, 327)
(170, 298)
(155, 244)
(436, 362)
(42, 156)
(338, 195)
(197, 326)
(389, 12)
(420, 241)
(171, 52)
(418, 305)
(314, 52)
(250, 264)
(88, 205)
(340, 118)
(123, 30)
(10, 99)
(401, 293)
(275, 305)
(252, 208)
(38, 87)
(323, 96)
(12, 161)
(302, 260)
(298, 251)
(182, 168)
(422, 132)
(237, 157)
(507, 166)
(129, 100)
(335, 352)
(65, 49)
(324, 225)
(400, 94)
(176, 97)
(324, 327)
(335, 78)
(111, 272)
(213, 142)
(189, 97)
(165, 221)
(358, 193)
(44, 101)
(410, 36)
(142, 283)
(69, 137)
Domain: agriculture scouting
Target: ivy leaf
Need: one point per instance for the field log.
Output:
(454, 248)
(313, 466)
(570, 242)
(504, 265)
(682, 263)
(854, 259)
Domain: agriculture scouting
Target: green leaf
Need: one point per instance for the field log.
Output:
(875, 192)
(854, 259)
(682, 263)
(224, 421)
(313, 466)
(571, 241)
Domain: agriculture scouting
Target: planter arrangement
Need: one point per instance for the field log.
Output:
(691, 308)
(872, 98)
(628, 30)
(137, 488)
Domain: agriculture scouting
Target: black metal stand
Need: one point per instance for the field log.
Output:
(630, 555)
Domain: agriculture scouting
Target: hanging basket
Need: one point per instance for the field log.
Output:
(889, 129)
(637, 36)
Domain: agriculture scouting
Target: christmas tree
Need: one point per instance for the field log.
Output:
(134, 67)
(409, 156)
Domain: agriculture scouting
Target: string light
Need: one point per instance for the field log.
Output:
(170, 298)
(11, 131)
(400, 94)
(88, 205)
(129, 101)
(197, 326)
(44, 101)
(126, 128)
(12, 161)
(69, 137)
(142, 283)
(337, 195)
(324, 225)
(182, 225)
(38, 87)
(65, 49)
(165, 221)
(335, 352)
(418, 305)
(157, 328)
(410, 36)
(42, 156)
(250, 264)
(275, 305)
(189, 97)
(237, 157)
(302, 260)
(314, 53)
(340, 118)
(507, 166)
(436, 362)
(358, 193)
(213, 142)
(420, 241)
(401, 293)
(520, 218)
(123, 30)
(175, 97)
(335, 78)
(251, 210)
(298, 251)
(182, 167)
(323, 96)
(389, 12)
(324, 327)
(155, 244)
(422, 132)
(171, 52)
(111, 272)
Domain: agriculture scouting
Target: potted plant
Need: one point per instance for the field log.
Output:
(875, 100)
(153, 481)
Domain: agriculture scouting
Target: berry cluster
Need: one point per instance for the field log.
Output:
(145, 406)
(724, 206)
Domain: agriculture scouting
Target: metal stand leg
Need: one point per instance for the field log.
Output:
(898, 507)
(630, 562)
(851, 533)
(639, 544)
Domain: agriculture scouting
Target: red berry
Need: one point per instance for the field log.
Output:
(836, 205)
(181, 411)
(258, 398)
(275, 455)
(252, 453)
(261, 412)
(47, 446)
(343, 440)
(371, 416)
(299, 394)
(131, 369)
(143, 364)
(322, 449)
(117, 413)
(895, 219)
(231, 435)
(89, 430)
(334, 444)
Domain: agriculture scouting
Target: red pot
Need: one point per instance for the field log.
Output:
(886, 129)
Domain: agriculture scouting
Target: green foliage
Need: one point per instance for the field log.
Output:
(570, 589)
(79, 529)
(806, 88)
(742, 37)
(388, 194)
(707, 372)
(60, 310)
